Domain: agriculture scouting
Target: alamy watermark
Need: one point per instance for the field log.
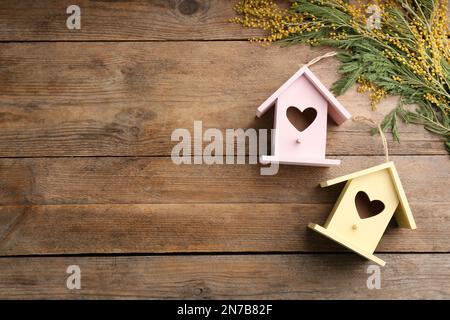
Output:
(73, 281)
(374, 280)
(374, 20)
(222, 148)
(73, 22)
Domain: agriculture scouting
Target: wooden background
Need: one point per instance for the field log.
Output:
(86, 176)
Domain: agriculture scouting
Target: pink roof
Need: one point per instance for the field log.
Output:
(337, 111)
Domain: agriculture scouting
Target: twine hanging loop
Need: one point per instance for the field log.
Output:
(317, 59)
(363, 119)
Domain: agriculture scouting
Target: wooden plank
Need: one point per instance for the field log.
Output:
(159, 180)
(82, 229)
(320, 276)
(45, 20)
(125, 99)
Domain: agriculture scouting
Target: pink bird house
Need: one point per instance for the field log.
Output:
(301, 107)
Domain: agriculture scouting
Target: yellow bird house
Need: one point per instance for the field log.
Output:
(364, 208)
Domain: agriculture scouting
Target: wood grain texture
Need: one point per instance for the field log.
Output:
(159, 180)
(125, 99)
(84, 143)
(311, 276)
(122, 20)
(175, 228)
(45, 20)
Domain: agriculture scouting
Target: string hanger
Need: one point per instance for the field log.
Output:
(317, 59)
(363, 119)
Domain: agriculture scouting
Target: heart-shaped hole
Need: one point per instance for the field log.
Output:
(301, 119)
(366, 208)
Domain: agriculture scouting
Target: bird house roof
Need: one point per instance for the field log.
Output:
(403, 213)
(337, 112)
